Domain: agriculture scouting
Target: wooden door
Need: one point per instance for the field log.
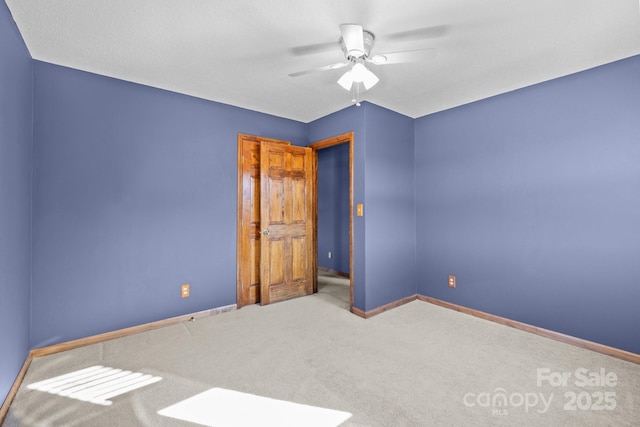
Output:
(286, 216)
(248, 232)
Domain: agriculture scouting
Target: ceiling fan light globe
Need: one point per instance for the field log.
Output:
(370, 80)
(359, 72)
(346, 81)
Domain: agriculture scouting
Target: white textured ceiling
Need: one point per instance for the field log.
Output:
(240, 52)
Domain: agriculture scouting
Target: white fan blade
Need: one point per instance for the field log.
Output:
(314, 48)
(353, 39)
(419, 55)
(419, 33)
(315, 70)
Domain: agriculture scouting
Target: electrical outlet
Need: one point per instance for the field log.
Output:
(184, 290)
(329, 255)
(452, 281)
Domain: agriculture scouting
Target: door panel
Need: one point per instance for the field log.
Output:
(286, 174)
(299, 213)
(298, 245)
(275, 258)
(276, 198)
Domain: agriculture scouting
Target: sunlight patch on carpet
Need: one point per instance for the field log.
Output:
(223, 408)
(96, 384)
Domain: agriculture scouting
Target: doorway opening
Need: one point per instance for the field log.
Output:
(333, 158)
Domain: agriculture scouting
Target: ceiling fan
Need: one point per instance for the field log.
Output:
(357, 44)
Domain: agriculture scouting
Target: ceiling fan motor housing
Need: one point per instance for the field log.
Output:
(368, 39)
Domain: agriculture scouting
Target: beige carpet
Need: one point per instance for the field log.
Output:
(416, 365)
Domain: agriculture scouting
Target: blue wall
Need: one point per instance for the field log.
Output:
(389, 206)
(532, 199)
(16, 89)
(384, 238)
(333, 208)
(134, 194)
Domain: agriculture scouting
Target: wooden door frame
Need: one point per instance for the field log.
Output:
(319, 145)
